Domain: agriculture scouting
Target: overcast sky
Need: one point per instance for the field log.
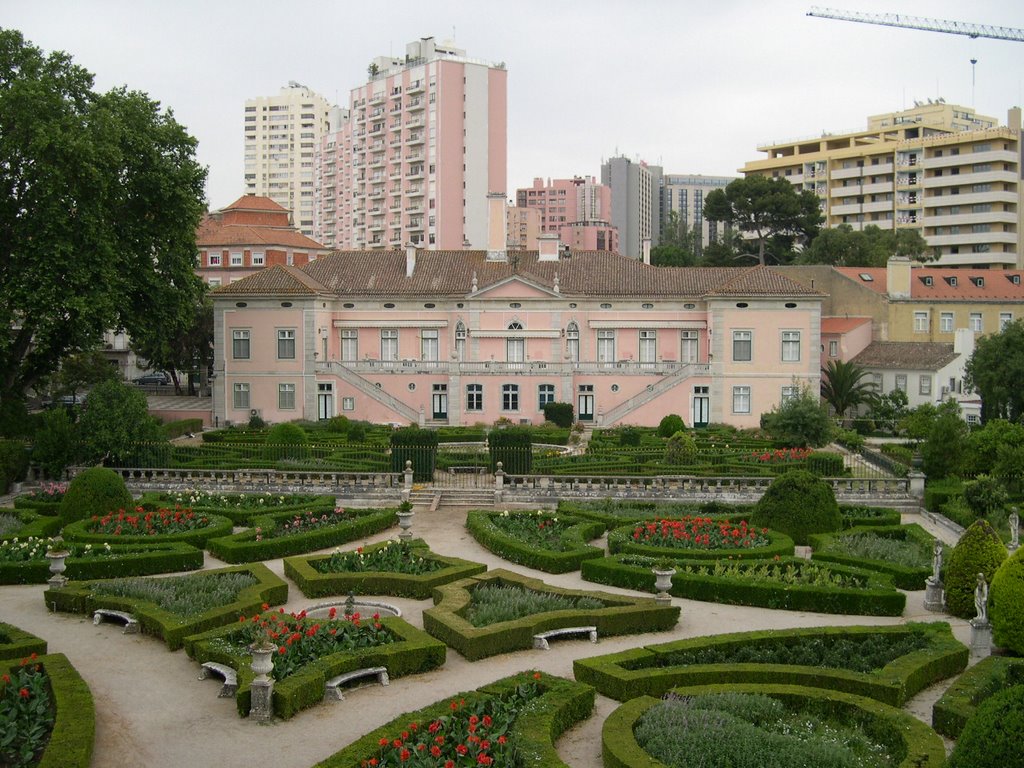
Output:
(692, 86)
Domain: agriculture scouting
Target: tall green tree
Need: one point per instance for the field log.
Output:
(676, 248)
(996, 370)
(81, 371)
(102, 197)
(845, 385)
(185, 343)
(843, 246)
(771, 210)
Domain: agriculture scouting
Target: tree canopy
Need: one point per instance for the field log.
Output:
(845, 385)
(772, 210)
(102, 199)
(843, 246)
(679, 245)
(996, 370)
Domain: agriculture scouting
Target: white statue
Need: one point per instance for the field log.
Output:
(1014, 529)
(936, 561)
(981, 600)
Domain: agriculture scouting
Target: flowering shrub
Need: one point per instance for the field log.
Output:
(9, 523)
(143, 523)
(781, 455)
(467, 736)
(304, 523)
(775, 571)
(301, 640)
(536, 529)
(26, 715)
(700, 533)
(199, 498)
(32, 548)
(48, 492)
(391, 558)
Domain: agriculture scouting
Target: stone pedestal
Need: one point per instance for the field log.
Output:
(261, 708)
(405, 524)
(981, 638)
(934, 596)
(663, 583)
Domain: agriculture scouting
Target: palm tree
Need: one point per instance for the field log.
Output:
(843, 386)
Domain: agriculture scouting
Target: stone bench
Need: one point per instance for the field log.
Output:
(229, 675)
(332, 688)
(540, 640)
(131, 624)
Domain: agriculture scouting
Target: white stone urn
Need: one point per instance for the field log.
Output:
(263, 659)
(405, 516)
(57, 567)
(663, 582)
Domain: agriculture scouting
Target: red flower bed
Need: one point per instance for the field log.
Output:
(781, 455)
(143, 523)
(700, 533)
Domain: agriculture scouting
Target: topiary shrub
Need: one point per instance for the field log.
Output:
(681, 449)
(799, 504)
(1006, 604)
(287, 441)
(979, 551)
(671, 424)
(357, 432)
(629, 437)
(984, 495)
(339, 424)
(561, 414)
(13, 463)
(991, 738)
(255, 422)
(96, 491)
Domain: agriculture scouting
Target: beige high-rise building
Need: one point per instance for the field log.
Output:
(942, 169)
(282, 134)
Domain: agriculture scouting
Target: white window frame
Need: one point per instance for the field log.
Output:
(474, 397)
(237, 259)
(286, 397)
(348, 403)
(648, 346)
(213, 259)
(572, 342)
(349, 345)
(833, 348)
(515, 346)
(1005, 318)
(741, 399)
(214, 282)
(545, 395)
(742, 340)
(791, 346)
(921, 321)
(241, 342)
(389, 344)
(606, 346)
(790, 392)
(977, 322)
(510, 397)
(689, 350)
(924, 384)
(259, 258)
(285, 343)
(430, 346)
(901, 382)
(946, 322)
(240, 396)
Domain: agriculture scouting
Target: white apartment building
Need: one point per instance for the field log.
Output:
(282, 134)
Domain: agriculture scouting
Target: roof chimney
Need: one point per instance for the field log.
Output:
(897, 277)
(497, 227)
(410, 259)
(548, 247)
(647, 250)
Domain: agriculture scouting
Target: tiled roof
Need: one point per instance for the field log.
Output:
(254, 203)
(909, 355)
(842, 324)
(580, 273)
(970, 284)
(278, 280)
(875, 278)
(214, 233)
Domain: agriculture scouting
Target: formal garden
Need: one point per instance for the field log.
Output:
(292, 600)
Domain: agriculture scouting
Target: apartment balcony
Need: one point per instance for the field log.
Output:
(414, 175)
(415, 87)
(847, 209)
(377, 162)
(396, 173)
(415, 208)
(375, 210)
(970, 158)
(377, 194)
(970, 219)
(414, 192)
(413, 157)
(904, 181)
(986, 177)
(415, 122)
(846, 173)
(377, 98)
(377, 145)
(416, 104)
(395, 126)
(416, 225)
(377, 226)
(414, 139)
(996, 196)
(973, 238)
(396, 207)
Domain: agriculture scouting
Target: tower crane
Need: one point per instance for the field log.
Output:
(917, 22)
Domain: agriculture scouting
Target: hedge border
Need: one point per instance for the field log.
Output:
(887, 517)
(21, 643)
(243, 547)
(77, 597)
(48, 508)
(621, 616)
(415, 651)
(592, 510)
(620, 541)
(245, 515)
(313, 583)
(74, 726)
(34, 525)
(158, 558)
(878, 598)
(920, 745)
(561, 705)
(902, 576)
(481, 527)
(961, 700)
(619, 675)
(218, 526)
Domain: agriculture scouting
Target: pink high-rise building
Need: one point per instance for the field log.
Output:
(578, 210)
(422, 145)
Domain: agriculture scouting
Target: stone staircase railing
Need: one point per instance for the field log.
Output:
(676, 377)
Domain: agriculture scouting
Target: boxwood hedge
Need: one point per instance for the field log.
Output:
(241, 509)
(17, 643)
(218, 526)
(33, 525)
(855, 515)
(620, 616)
(244, 547)
(912, 743)
(875, 596)
(621, 540)
(561, 705)
(39, 506)
(824, 548)
(617, 512)
(78, 597)
(574, 548)
(412, 652)
(313, 583)
(639, 671)
(130, 560)
(960, 701)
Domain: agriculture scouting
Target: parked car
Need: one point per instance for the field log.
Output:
(154, 377)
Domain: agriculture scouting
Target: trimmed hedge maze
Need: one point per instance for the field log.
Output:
(314, 580)
(911, 743)
(173, 628)
(833, 548)
(761, 583)
(933, 655)
(961, 700)
(114, 561)
(17, 643)
(563, 550)
(619, 616)
(541, 706)
(408, 651)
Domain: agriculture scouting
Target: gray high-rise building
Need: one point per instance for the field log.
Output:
(685, 195)
(636, 202)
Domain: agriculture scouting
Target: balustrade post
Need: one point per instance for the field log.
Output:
(407, 484)
(499, 482)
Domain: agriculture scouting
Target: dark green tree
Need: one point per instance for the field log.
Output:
(996, 370)
(799, 422)
(179, 343)
(944, 448)
(114, 423)
(81, 371)
(845, 385)
(843, 246)
(771, 210)
(679, 246)
(102, 197)
(888, 410)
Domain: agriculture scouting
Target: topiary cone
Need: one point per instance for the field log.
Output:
(96, 491)
(979, 550)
